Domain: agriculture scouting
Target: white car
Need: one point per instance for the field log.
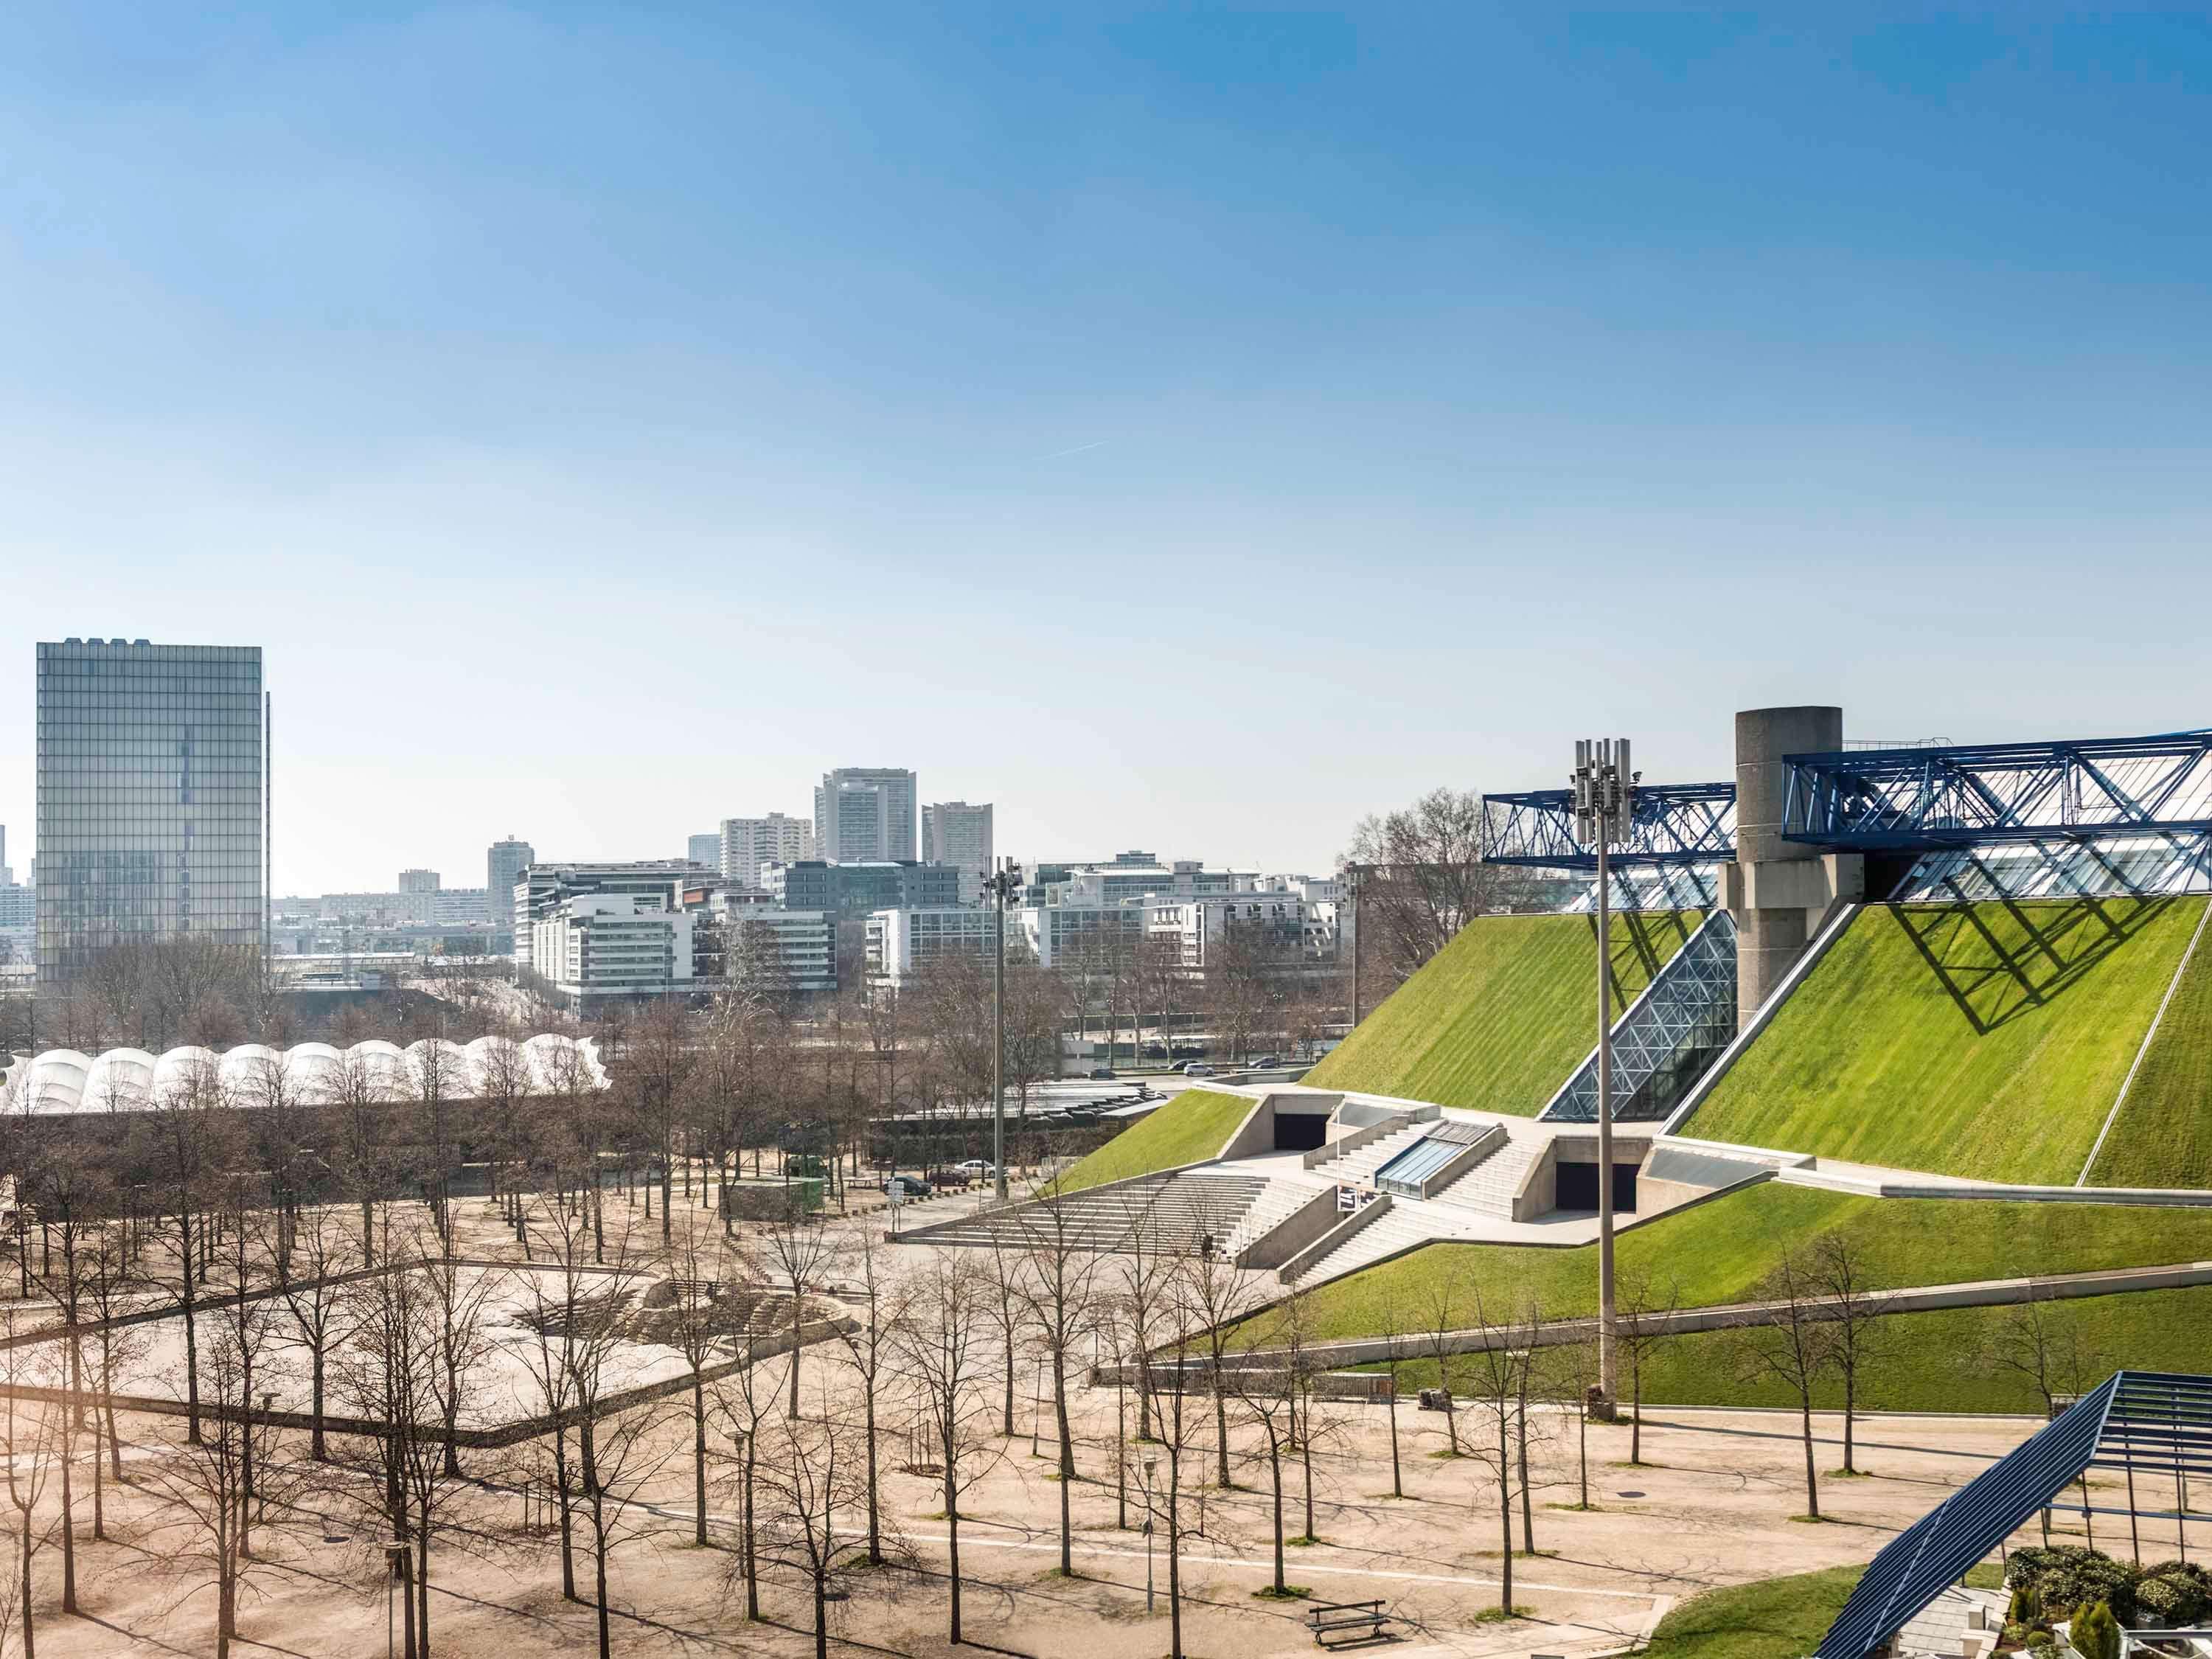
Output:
(979, 1168)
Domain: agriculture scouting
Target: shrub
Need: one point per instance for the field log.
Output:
(2096, 1634)
(2067, 1578)
(2175, 1592)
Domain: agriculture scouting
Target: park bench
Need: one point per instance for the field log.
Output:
(1340, 1618)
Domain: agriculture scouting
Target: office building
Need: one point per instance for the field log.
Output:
(804, 941)
(750, 844)
(151, 797)
(1275, 923)
(864, 814)
(504, 863)
(7, 876)
(541, 890)
(955, 833)
(590, 947)
(903, 940)
(856, 889)
(705, 849)
(418, 881)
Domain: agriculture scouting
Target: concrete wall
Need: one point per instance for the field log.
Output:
(1291, 1235)
(1776, 890)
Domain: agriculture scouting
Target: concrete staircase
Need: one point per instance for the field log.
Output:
(1489, 1188)
(1394, 1232)
(1170, 1214)
(1358, 1169)
(1959, 1624)
(1277, 1201)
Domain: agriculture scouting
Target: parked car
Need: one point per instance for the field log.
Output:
(1102, 1074)
(953, 1180)
(1198, 1068)
(906, 1186)
(977, 1168)
(1267, 1060)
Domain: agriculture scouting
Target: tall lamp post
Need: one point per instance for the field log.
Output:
(1605, 795)
(1000, 886)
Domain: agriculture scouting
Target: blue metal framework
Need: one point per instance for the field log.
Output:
(2154, 1427)
(1672, 824)
(1991, 794)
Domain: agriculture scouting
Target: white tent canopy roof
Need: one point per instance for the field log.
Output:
(61, 1081)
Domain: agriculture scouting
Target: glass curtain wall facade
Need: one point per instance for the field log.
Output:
(150, 806)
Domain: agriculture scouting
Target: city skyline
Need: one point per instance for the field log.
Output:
(1182, 410)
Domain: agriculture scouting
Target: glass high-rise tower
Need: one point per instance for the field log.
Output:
(151, 797)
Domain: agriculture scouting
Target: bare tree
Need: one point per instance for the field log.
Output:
(187, 1136)
(871, 1344)
(1497, 1373)
(1443, 1305)
(803, 1252)
(1643, 1322)
(211, 1482)
(1790, 1342)
(111, 1286)
(1857, 1337)
(312, 1281)
(942, 1337)
(1059, 1296)
(1219, 1295)
(1420, 876)
(813, 1474)
(1005, 1271)
(32, 1446)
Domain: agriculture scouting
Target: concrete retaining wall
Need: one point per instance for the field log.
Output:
(1348, 1228)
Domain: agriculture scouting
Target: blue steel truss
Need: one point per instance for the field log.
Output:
(1669, 1035)
(2152, 1428)
(1993, 794)
(1671, 824)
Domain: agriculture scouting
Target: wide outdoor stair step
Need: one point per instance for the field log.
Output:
(1276, 1204)
(1490, 1187)
(1394, 1232)
(1173, 1214)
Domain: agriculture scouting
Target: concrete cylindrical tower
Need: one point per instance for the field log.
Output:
(1779, 890)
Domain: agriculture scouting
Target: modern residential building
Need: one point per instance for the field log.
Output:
(1129, 876)
(418, 881)
(857, 890)
(542, 889)
(1197, 926)
(594, 947)
(750, 844)
(864, 814)
(705, 849)
(955, 833)
(151, 797)
(504, 863)
(805, 940)
(1054, 933)
(903, 939)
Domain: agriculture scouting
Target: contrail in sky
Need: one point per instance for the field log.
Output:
(1078, 450)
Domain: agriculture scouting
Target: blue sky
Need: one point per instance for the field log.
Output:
(1191, 427)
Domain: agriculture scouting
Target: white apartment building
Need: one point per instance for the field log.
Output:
(955, 833)
(900, 942)
(1197, 926)
(749, 844)
(613, 945)
(805, 940)
(1054, 933)
(867, 814)
(542, 889)
(411, 907)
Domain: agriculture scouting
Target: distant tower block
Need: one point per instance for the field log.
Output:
(1779, 890)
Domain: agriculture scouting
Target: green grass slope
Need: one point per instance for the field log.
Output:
(1769, 1618)
(1982, 1040)
(1501, 1016)
(1718, 1252)
(2163, 1135)
(1196, 1124)
(1949, 1360)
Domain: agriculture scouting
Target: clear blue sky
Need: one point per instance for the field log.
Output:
(1189, 428)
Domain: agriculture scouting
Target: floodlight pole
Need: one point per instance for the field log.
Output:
(1001, 884)
(1604, 796)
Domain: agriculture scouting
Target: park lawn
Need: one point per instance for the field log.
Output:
(1980, 1040)
(1941, 1361)
(1767, 1618)
(1718, 1251)
(1195, 1125)
(1501, 1017)
(2163, 1135)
